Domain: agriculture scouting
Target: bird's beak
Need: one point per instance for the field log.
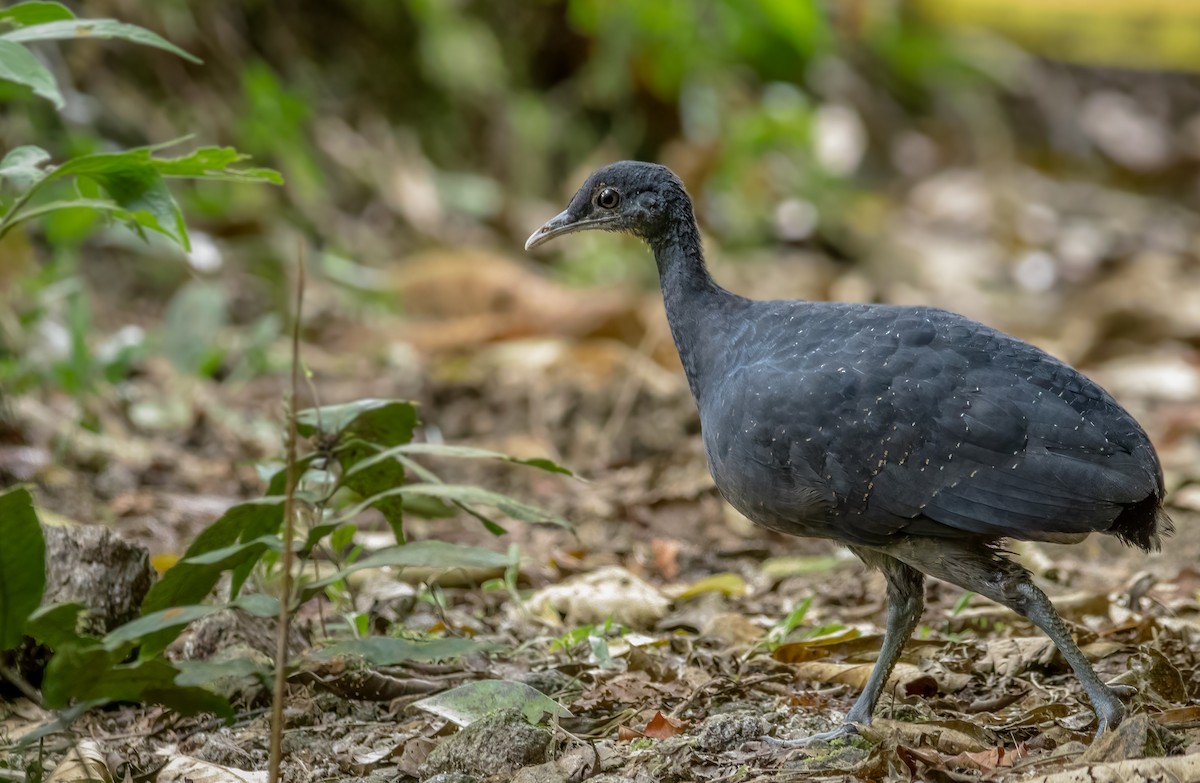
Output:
(560, 224)
(556, 226)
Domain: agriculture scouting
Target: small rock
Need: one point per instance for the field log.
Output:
(606, 592)
(841, 759)
(722, 732)
(1138, 737)
(610, 779)
(542, 773)
(92, 566)
(452, 777)
(499, 744)
(551, 682)
(220, 749)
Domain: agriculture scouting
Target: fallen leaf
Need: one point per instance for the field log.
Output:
(84, 763)
(468, 703)
(185, 769)
(727, 583)
(666, 557)
(659, 727)
(924, 735)
(1011, 656)
(907, 678)
(610, 592)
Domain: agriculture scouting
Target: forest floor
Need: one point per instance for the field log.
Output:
(676, 633)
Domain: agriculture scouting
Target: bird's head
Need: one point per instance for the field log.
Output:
(631, 196)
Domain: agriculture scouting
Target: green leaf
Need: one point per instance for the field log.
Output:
(131, 180)
(55, 625)
(74, 29)
(188, 583)
(24, 14)
(277, 483)
(443, 450)
(363, 427)
(17, 64)
(213, 163)
(174, 618)
(384, 422)
(258, 604)
(22, 565)
(150, 628)
(92, 674)
(418, 554)
(192, 325)
(139, 193)
(468, 703)
(22, 166)
(384, 651)
(316, 534)
(467, 495)
(434, 554)
(71, 671)
(99, 205)
(207, 673)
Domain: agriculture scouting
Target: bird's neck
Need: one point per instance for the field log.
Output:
(692, 298)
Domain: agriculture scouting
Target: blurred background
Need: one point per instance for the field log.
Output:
(1034, 164)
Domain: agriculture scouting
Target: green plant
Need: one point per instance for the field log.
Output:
(594, 636)
(361, 458)
(129, 186)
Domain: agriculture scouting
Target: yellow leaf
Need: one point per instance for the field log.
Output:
(726, 583)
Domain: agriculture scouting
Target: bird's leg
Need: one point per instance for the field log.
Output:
(990, 574)
(905, 602)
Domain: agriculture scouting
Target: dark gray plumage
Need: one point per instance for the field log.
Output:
(919, 438)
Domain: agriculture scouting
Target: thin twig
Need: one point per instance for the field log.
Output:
(14, 678)
(289, 527)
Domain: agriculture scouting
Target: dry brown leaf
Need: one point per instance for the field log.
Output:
(1177, 769)
(909, 679)
(363, 684)
(84, 763)
(1042, 715)
(852, 646)
(666, 557)
(1011, 656)
(185, 769)
(924, 735)
(628, 688)
(988, 760)
(1179, 717)
(732, 629)
(466, 297)
(659, 727)
(662, 727)
(987, 615)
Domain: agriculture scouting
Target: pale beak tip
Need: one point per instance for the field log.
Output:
(534, 237)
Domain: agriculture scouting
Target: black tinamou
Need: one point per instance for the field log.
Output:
(917, 437)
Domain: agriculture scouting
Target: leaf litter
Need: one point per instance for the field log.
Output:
(671, 635)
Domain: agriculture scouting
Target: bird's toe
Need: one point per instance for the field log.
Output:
(841, 732)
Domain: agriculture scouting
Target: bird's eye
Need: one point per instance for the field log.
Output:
(608, 198)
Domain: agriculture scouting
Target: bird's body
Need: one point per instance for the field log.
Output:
(866, 423)
(917, 437)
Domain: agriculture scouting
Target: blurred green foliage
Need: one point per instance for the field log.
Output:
(422, 122)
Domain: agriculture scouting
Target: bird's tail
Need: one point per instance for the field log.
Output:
(1143, 524)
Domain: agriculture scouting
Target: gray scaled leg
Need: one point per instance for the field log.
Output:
(905, 602)
(985, 571)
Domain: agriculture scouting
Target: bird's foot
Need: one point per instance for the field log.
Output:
(1109, 713)
(844, 731)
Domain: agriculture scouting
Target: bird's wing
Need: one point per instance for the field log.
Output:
(1022, 448)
